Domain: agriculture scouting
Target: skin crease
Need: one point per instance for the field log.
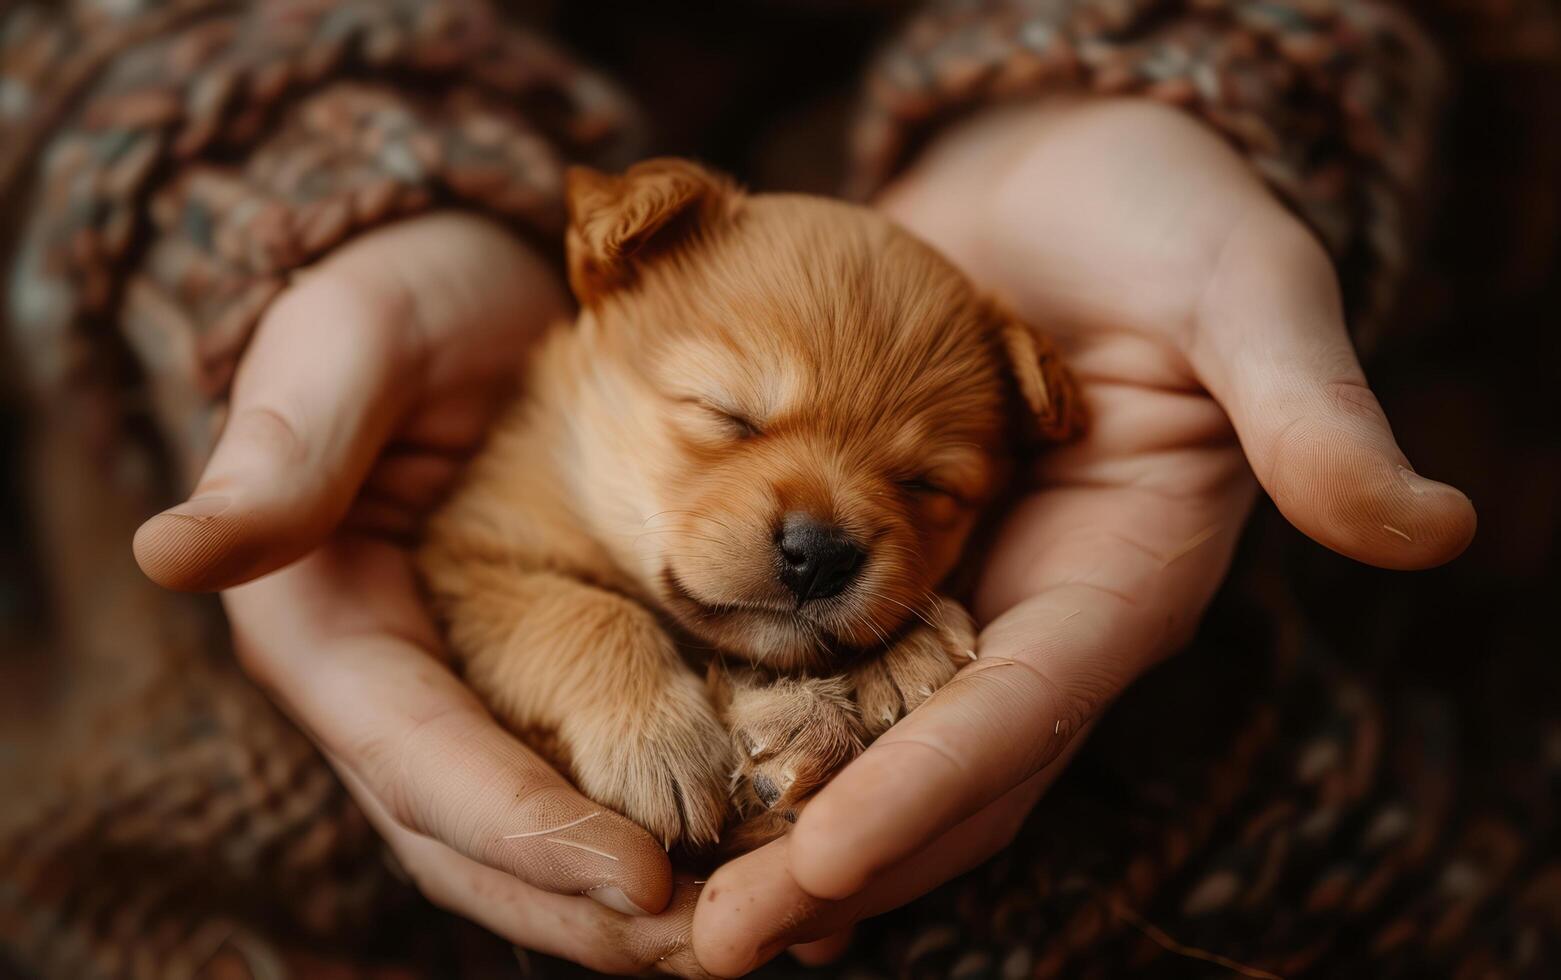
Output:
(1204, 324)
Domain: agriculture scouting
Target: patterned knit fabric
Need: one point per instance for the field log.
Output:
(1331, 100)
(221, 156)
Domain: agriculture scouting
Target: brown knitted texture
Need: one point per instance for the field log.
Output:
(1332, 101)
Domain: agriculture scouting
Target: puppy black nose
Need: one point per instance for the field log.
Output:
(816, 560)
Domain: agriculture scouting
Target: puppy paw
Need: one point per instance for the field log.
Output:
(667, 768)
(892, 684)
(790, 735)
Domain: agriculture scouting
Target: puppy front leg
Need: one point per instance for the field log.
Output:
(790, 734)
(891, 684)
(592, 679)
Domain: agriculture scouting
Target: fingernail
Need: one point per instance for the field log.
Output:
(200, 508)
(1420, 486)
(614, 898)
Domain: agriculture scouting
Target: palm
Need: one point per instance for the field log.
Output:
(1159, 480)
(1108, 232)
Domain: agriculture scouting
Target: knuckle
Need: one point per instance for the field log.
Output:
(392, 791)
(393, 766)
(1270, 237)
(1296, 245)
(1022, 690)
(419, 782)
(368, 302)
(1354, 398)
(946, 753)
(359, 292)
(1296, 457)
(1323, 465)
(268, 429)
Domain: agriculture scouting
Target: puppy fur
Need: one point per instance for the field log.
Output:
(610, 573)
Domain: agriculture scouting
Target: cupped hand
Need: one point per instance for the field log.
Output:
(366, 385)
(1205, 326)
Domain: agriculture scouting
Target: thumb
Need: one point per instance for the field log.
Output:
(314, 400)
(1272, 347)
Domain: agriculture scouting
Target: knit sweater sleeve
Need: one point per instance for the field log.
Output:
(1332, 101)
(170, 163)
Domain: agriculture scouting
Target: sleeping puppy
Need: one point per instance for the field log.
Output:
(762, 448)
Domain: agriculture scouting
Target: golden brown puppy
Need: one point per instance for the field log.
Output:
(763, 445)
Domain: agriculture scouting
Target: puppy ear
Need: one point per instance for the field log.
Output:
(1047, 387)
(617, 222)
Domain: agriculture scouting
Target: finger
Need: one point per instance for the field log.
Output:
(436, 304)
(1117, 579)
(575, 929)
(370, 692)
(753, 907)
(311, 406)
(1272, 347)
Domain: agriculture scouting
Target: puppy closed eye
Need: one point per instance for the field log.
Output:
(727, 421)
(923, 486)
(933, 501)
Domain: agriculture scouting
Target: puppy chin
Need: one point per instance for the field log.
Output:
(772, 636)
(778, 637)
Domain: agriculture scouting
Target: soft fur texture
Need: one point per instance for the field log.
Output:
(737, 359)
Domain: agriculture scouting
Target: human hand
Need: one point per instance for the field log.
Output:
(1205, 327)
(366, 385)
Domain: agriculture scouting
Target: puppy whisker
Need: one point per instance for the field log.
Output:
(663, 513)
(856, 617)
(687, 534)
(872, 594)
